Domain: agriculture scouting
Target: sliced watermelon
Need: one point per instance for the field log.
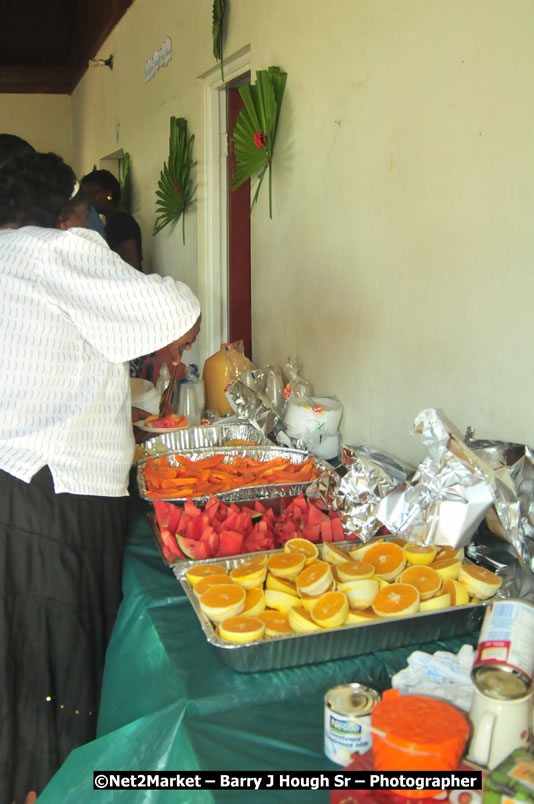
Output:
(193, 549)
(326, 530)
(311, 532)
(260, 508)
(230, 543)
(213, 543)
(338, 534)
(169, 546)
(315, 517)
(191, 509)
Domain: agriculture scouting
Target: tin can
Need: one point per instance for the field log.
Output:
(347, 715)
(506, 639)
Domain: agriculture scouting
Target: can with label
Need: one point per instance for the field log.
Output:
(347, 715)
(506, 639)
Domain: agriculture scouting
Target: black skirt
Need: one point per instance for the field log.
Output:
(60, 588)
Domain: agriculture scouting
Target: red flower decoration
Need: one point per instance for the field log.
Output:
(176, 189)
(260, 139)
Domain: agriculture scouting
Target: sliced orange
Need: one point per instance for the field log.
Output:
(297, 545)
(300, 621)
(387, 559)
(333, 554)
(222, 601)
(359, 550)
(457, 591)
(286, 565)
(354, 570)
(356, 616)
(315, 578)
(478, 581)
(449, 552)
(241, 629)
(198, 571)
(397, 600)
(254, 602)
(420, 554)
(276, 623)
(360, 593)
(248, 574)
(260, 560)
(447, 567)
(280, 600)
(331, 610)
(209, 580)
(425, 579)
(437, 602)
(281, 584)
(308, 601)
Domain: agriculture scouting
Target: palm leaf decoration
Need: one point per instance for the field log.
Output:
(217, 30)
(175, 187)
(125, 180)
(255, 129)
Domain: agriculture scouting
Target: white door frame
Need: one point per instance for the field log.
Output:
(213, 206)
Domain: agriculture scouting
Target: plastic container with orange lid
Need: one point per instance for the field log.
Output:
(416, 733)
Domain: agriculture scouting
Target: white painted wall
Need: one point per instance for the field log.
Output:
(399, 261)
(45, 121)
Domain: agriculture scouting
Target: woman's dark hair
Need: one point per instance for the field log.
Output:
(108, 183)
(34, 189)
(12, 146)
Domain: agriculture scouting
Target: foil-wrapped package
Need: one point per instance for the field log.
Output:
(448, 496)
(512, 517)
(367, 476)
(249, 403)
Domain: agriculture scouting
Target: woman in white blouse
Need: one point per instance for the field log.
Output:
(72, 315)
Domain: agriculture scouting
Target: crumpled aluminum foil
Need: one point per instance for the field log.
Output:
(249, 403)
(512, 517)
(448, 496)
(366, 477)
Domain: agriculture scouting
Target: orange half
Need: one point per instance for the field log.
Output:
(387, 559)
(396, 600)
(425, 579)
(198, 571)
(209, 580)
(276, 623)
(331, 610)
(286, 565)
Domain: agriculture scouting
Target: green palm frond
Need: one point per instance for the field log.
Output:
(175, 187)
(255, 129)
(125, 180)
(217, 30)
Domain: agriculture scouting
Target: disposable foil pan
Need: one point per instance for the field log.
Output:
(262, 453)
(207, 435)
(292, 650)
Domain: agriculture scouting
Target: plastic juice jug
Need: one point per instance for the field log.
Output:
(220, 369)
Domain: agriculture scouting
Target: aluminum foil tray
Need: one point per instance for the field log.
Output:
(293, 650)
(207, 435)
(262, 453)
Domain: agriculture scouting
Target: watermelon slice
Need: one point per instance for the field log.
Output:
(230, 543)
(192, 548)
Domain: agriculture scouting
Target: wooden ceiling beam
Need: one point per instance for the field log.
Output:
(43, 80)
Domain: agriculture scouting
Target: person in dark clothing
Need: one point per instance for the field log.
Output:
(122, 230)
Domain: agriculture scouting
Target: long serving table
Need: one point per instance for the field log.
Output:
(169, 703)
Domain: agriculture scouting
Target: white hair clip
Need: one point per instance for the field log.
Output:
(75, 190)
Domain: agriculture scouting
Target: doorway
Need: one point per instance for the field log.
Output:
(224, 219)
(239, 280)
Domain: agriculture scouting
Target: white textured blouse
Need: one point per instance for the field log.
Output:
(72, 314)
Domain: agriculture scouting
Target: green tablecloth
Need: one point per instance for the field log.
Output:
(169, 703)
